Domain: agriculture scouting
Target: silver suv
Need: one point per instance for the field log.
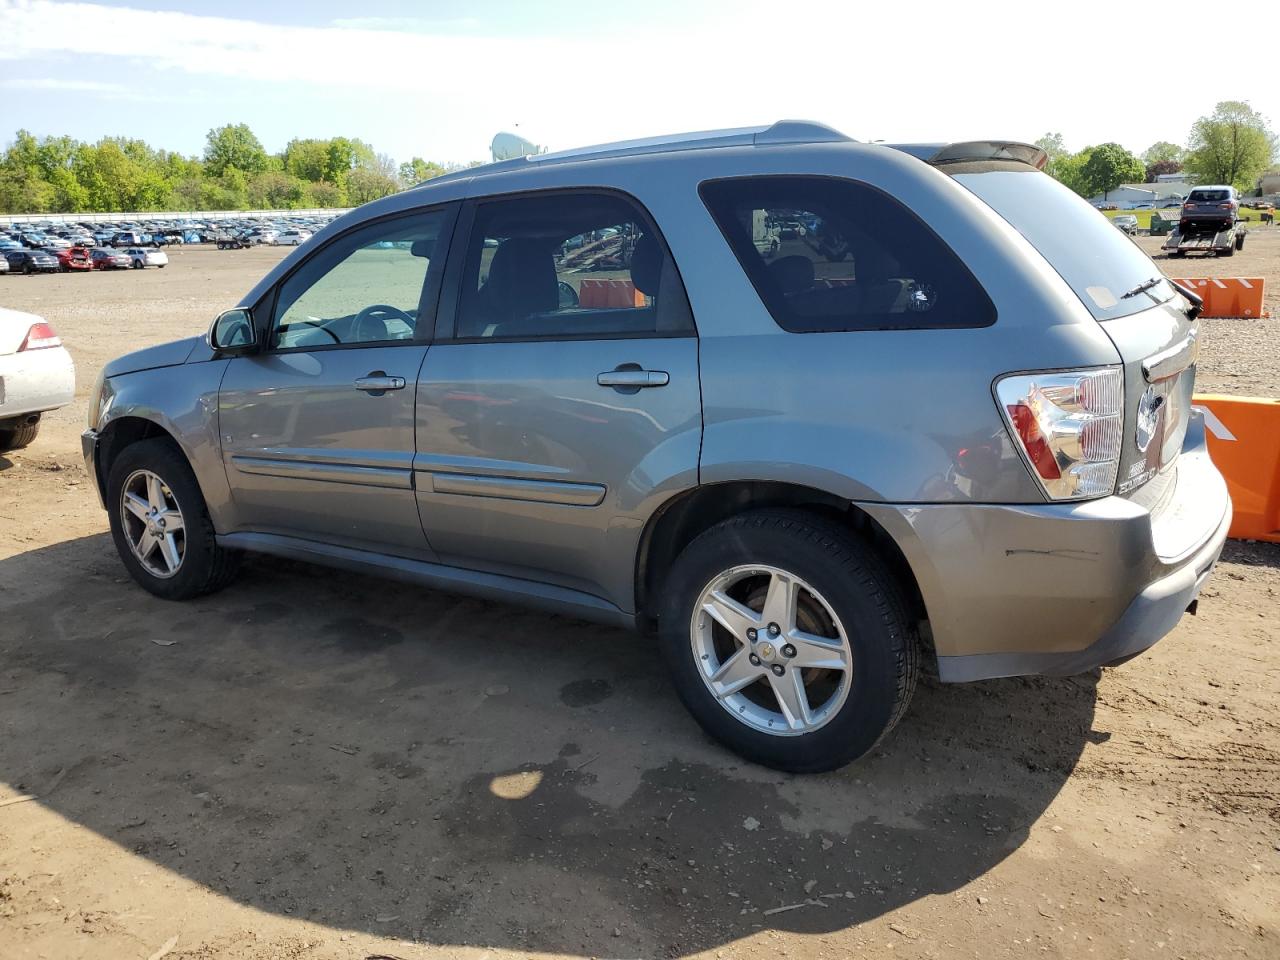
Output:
(945, 418)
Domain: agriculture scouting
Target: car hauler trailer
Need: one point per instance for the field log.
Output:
(1218, 238)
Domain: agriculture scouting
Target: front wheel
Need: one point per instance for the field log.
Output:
(161, 526)
(788, 640)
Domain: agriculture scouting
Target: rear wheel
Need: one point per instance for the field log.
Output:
(788, 640)
(14, 435)
(161, 526)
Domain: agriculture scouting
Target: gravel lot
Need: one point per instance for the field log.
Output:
(1238, 356)
(285, 770)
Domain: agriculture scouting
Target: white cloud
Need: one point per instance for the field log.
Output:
(95, 88)
(922, 70)
(411, 24)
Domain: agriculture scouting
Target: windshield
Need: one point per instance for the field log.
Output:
(1098, 261)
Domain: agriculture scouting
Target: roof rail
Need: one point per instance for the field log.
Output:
(782, 132)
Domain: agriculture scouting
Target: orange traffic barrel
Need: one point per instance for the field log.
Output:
(1244, 442)
(1226, 296)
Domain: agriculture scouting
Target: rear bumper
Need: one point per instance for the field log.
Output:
(34, 381)
(1058, 589)
(1151, 615)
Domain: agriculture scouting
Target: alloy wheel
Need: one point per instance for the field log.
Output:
(771, 650)
(153, 523)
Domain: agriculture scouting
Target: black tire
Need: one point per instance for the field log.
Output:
(17, 436)
(861, 591)
(205, 566)
(1229, 252)
(1177, 253)
(1239, 241)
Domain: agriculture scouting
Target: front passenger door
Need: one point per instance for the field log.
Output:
(318, 428)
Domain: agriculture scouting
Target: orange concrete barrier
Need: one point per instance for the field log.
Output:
(1244, 442)
(1227, 296)
(609, 293)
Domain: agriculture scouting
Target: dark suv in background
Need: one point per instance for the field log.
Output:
(1215, 206)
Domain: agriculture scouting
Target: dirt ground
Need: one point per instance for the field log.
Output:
(313, 764)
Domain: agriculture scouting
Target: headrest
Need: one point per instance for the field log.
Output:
(646, 265)
(792, 274)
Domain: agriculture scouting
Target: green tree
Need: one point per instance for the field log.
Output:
(307, 159)
(233, 147)
(417, 170)
(1231, 145)
(1108, 166)
(277, 191)
(326, 195)
(1161, 151)
(365, 185)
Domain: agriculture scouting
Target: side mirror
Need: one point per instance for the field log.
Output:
(233, 333)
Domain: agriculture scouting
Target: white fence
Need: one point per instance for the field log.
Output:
(179, 215)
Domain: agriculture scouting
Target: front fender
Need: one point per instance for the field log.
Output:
(183, 401)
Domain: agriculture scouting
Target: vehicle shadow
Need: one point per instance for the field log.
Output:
(376, 757)
(1254, 553)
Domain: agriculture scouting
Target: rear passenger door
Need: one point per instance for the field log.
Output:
(560, 402)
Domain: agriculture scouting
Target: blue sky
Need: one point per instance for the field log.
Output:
(438, 79)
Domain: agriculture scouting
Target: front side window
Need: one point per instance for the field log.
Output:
(370, 286)
(568, 265)
(827, 254)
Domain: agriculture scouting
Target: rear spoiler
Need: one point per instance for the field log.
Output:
(975, 150)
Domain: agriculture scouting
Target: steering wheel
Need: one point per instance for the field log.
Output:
(316, 325)
(381, 311)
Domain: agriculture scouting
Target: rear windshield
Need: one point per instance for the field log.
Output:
(1097, 260)
(1209, 196)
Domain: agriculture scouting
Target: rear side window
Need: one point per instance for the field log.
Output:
(828, 254)
(568, 266)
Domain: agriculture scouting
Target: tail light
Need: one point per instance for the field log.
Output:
(1068, 427)
(39, 336)
(1188, 206)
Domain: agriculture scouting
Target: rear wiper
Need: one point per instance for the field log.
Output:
(1144, 286)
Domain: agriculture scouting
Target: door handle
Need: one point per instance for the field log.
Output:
(633, 377)
(379, 383)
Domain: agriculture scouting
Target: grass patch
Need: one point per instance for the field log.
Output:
(1253, 217)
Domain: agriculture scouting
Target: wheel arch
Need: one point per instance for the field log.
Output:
(683, 517)
(123, 432)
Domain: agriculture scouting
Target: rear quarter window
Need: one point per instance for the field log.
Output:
(828, 255)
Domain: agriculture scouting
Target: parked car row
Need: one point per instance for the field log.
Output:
(77, 259)
(49, 234)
